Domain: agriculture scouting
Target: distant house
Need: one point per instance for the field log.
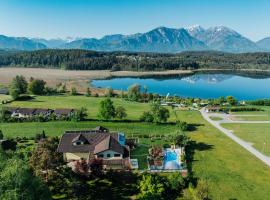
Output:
(4, 91)
(210, 109)
(97, 143)
(24, 112)
(43, 111)
(12, 111)
(63, 112)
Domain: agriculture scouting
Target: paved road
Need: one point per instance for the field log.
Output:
(244, 144)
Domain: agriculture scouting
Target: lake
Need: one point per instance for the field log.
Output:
(197, 86)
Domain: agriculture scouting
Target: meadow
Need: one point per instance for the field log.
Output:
(263, 115)
(257, 134)
(232, 172)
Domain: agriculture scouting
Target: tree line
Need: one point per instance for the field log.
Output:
(75, 59)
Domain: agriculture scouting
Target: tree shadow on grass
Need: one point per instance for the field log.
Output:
(190, 150)
(193, 127)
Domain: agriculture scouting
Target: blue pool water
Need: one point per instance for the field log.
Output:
(197, 86)
(171, 159)
(170, 156)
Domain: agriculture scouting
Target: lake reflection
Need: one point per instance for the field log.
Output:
(198, 85)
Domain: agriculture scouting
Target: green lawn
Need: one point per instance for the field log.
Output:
(253, 118)
(233, 173)
(258, 134)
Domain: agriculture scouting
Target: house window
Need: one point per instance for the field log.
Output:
(78, 143)
(108, 155)
(100, 156)
(117, 155)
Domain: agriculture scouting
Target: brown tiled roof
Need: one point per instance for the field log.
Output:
(42, 111)
(80, 137)
(109, 143)
(11, 109)
(26, 111)
(63, 111)
(103, 141)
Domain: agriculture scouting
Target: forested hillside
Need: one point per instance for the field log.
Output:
(90, 60)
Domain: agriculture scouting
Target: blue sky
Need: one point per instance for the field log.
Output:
(96, 18)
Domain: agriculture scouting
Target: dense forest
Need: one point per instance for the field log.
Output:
(91, 60)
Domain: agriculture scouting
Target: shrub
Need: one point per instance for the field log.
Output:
(109, 92)
(36, 87)
(120, 112)
(88, 92)
(182, 125)
(160, 114)
(241, 109)
(73, 91)
(134, 92)
(147, 117)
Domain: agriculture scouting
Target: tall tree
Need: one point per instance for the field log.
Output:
(18, 183)
(18, 86)
(36, 87)
(160, 114)
(134, 92)
(45, 159)
(120, 112)
(106, 109)
(151, 187)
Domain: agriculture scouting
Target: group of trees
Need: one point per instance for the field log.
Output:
(108, 111)
(157, 114)
(17, 180)
(19, 86)
(262, 102)
(76, 59)
(222, 100)
(153, 186)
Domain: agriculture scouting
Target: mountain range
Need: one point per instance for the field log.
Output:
(161, 39)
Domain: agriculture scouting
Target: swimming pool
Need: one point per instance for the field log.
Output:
(172, 159)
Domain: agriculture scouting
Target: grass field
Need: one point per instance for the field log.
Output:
(258, 134)
(215, 118)
(253, 116)
(232, 172)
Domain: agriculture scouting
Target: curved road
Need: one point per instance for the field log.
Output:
(244, 144)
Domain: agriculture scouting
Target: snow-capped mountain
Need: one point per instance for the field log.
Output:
(195, 30)
(161, 39)
(222, 38)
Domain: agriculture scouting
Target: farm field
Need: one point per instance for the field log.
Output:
(257, 134)
(229, 168)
